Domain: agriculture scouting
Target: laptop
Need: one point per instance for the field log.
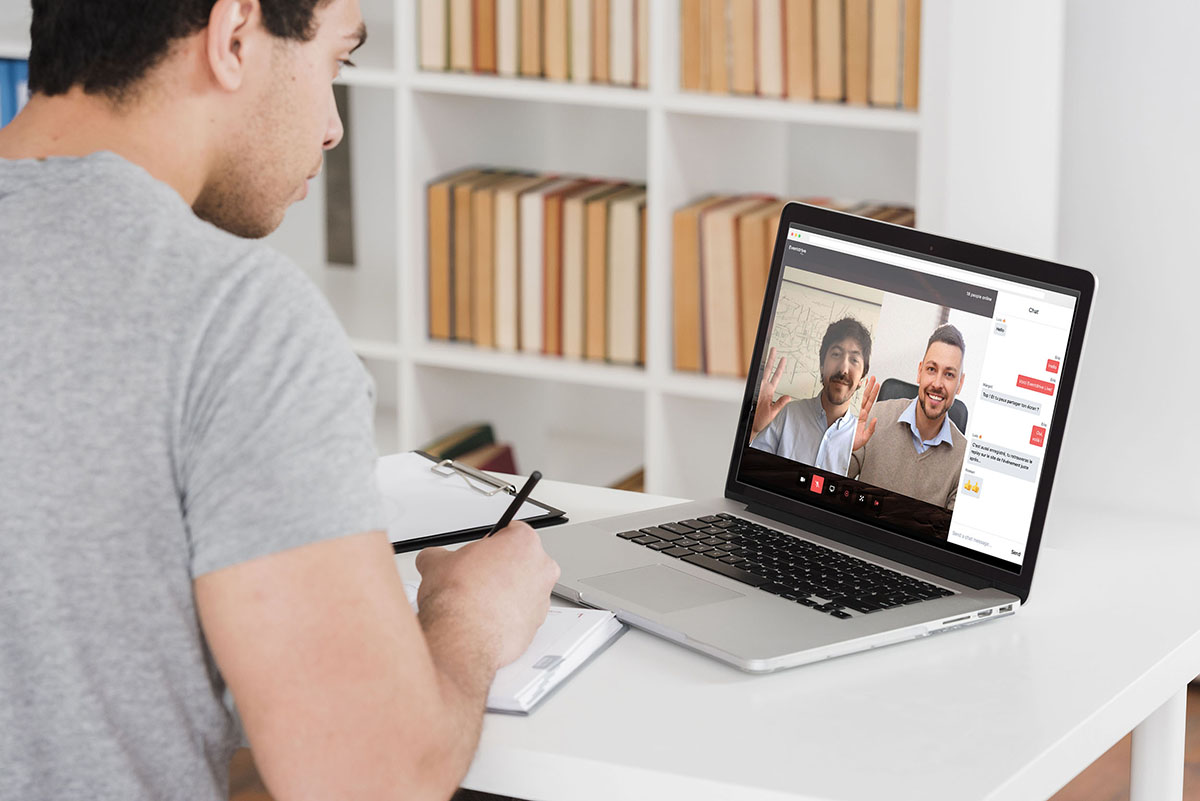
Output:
(900, 492)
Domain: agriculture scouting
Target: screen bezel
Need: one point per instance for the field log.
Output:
(918, 244)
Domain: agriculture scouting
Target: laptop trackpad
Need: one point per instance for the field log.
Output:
(661, 588)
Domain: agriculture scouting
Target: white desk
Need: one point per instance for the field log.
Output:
(1007, 710)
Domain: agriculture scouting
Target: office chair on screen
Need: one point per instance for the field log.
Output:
(895, 388)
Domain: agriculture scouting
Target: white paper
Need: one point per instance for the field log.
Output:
(421, 503)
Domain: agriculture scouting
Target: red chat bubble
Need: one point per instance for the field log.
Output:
(1038, 437)
(1051, 366)
(818, 484)
(1025, 382)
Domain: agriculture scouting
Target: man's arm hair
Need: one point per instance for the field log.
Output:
(341, 692)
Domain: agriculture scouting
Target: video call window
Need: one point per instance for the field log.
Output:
(885, 381)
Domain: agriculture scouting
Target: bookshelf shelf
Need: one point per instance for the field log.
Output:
(527, 365)
(703, 387)
(807, 113)
(369, 76)
(532, 89)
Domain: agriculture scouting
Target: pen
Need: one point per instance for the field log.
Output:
(511, 511)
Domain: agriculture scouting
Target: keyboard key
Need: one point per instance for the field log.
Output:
(677, 528)
(628, 535)
(659, 546)
(840, 615)
(661, 533)
(696, 524)
(684, 542)
(729, 560)
(713, 541)
(701, 548)
(729, 571)
(710, 519)
(646, 539)
(676, 551)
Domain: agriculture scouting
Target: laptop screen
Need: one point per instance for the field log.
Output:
(913, 393)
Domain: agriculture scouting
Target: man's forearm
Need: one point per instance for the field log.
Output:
(464, 658)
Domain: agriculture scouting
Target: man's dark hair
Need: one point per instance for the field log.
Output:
(848, 328)
(107, 46)
(949, 335)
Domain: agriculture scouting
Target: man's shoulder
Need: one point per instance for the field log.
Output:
(889, 411)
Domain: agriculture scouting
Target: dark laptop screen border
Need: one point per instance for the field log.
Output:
(920, 552)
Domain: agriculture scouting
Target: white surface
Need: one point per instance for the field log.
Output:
(1006, 710)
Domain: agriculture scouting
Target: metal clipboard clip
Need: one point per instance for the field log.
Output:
(475, 479)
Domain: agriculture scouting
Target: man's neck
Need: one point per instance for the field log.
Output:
(78, 124)
(833, 413)
(928, 427)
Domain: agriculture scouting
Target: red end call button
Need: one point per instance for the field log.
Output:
(1038, 437)
(1025, 382)
(1051, 366)
(818, 484)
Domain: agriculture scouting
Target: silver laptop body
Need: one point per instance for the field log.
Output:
(978, 573)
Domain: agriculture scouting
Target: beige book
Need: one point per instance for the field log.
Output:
(464, 252)
(435, 46)
(595, 316)
(574, 264)
(508, 37)
(440, 213)
(533, 262)
(769, 65)
(718, 46)
(581, 41)
(886, 18)
(756, 244)
(484, 34)
(691, 47)
(624, 301)
(601, 19)
(720, 286)
(687, 321)
(858, 41)
(799, 53)
(552, 256)
(509, 249)
(622, 48)
(483, 262)
(531, 38)
(741, 46)
(462, 46)
(911, 73)
(828, 30)
(641, 65)
(556, 61)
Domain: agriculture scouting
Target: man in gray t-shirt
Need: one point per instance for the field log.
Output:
(186, 457)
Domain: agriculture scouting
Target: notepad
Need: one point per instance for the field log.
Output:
(567, 640)
(424, 508)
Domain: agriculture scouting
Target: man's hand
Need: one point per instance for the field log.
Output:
(499, 587)
(865, 430)
(767, 409)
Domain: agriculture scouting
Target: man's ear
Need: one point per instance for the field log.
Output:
(226, 36)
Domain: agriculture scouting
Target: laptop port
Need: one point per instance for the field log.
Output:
(984, 613)
(1004, 609)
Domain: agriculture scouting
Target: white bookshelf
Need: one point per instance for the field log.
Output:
(972, 159)
(980, 160)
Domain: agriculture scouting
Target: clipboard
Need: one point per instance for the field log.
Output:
(429, 502)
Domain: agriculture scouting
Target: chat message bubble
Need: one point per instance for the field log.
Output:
(1033, 407)
(987, 456)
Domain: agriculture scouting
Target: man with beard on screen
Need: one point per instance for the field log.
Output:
(820, 430)
(917, 450)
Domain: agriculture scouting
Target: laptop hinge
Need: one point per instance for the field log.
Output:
(865, 544)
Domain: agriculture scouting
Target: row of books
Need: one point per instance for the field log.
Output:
(584, 41)
(538, 263)
(14, 88)
(722, 248)
(473, 444)
(856, 51)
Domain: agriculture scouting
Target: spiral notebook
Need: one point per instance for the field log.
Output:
(430, 502)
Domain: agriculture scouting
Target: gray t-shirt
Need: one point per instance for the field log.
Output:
(173, 400)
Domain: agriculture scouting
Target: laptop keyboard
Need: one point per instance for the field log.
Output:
(793, 568)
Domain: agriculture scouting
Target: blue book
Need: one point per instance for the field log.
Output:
(20, 73)
(8, 92)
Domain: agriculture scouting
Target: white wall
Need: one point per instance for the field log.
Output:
(1130, 213)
